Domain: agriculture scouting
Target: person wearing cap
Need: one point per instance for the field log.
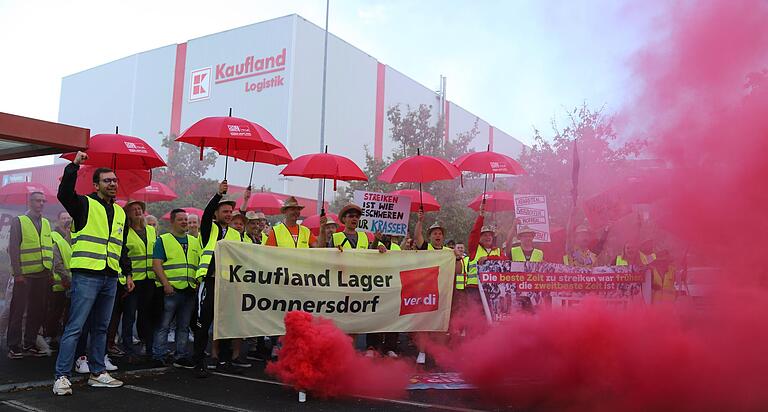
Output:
(141, 244)
(290, 234)
(480, 246)
(213, 227)
(237, 224)
(350, 238)
(330, 227)
(526, 252)
(435, 234)
(254, 227)
(578, 250)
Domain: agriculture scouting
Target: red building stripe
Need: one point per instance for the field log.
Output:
(178, 88)
(378, 140)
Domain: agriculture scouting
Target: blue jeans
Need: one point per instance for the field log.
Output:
(180, 306)
(92, 295)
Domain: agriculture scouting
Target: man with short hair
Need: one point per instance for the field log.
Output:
(350, 238)
(193, 225)
(99, 256)
(30, 248)
(62, 278)
(175, 261)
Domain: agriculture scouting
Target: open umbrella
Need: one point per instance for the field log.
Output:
(494, 201)
(277, 156)
(129, 181)
(155, 192)
(419, 169)
(313, 223)
(266, 202)
(119, 152)
(489, 163)
(428, 202)
(18, 193)
(189, 210)
(230, 133)
(324, 166)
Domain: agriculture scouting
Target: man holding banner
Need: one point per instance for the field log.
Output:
(350, 238)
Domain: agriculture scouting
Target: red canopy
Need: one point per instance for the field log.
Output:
(494, 202)
(129, 181)
(313, 223)
(430, 203)
(155, 192)
(324, 166)
(419, 169)
(229, 133)
(119, 152)
(267, 202)
(488, 162)
(18, 193)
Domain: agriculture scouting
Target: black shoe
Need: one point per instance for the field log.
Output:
(15, 353)
(240, 364)
(185, 363)
(212, 364)
(255, 356)
(159, 363)
(227, 367)
(34, 352)
(201, 369)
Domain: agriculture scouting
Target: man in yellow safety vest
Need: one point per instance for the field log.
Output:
(664, 275)
(62, 278)
(290, 234)
(526, 252)
(255, 222)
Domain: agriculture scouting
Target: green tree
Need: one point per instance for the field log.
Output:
(185, 175)
(604, 160)
(413, 130)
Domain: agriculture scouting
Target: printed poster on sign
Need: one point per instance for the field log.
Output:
(383, 212)
(532, 212)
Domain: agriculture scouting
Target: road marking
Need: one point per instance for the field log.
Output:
(21, 406)
(188, 400)
(372, 398)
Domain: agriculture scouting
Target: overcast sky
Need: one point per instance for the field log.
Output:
(513, 63)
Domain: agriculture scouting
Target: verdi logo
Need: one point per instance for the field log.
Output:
(419, 291)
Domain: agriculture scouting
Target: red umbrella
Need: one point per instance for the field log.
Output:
(155, 192)
(18, 193)
(266, 202)
(494, 202)
(230, 133)
(278, 156)
(313, 223)
(419, 169)
(429, 202)
(119, 152)
(129, 181)
(324, 166)
(490, 163)
(189, 210)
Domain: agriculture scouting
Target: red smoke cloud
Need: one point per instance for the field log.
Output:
(319, 358)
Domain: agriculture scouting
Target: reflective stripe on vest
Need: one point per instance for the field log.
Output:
(65, 251)
(461, 278)
(340, 239)
(472, 266)
(517, 255)
(180, 268)
(97, 246)
(140, 254)
(207, 253)
(284, 237)
(36, 249)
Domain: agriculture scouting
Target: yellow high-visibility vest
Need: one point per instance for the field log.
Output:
(394, 246)
(472, 266)
(140, 254)
(517, 255)
(36, 249)
(461, 278)
(180, 268)
(284, 237)
(664, 285)
(65, 250)
(340, 239)
(620, 261)
(97, 246)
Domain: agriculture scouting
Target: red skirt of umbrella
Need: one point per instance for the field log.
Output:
(155, 192)
(494, 202)
(278, 156)
(429, 201)
(118, 152)
(266, 202)
(189, 210)
(419, 169)
(313, 223)
(18, 193)
(488, 162)
(129, 181)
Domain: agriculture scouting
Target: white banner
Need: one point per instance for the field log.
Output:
(532, 212)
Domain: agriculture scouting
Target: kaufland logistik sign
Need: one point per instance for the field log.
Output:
(257, 72)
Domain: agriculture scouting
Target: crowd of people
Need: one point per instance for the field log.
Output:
(102, 283)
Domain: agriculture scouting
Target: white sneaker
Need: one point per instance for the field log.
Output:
(62, 386)
(108, 363)
(42, 345)
(104, 381)
(81, 365)
(422, 358)
(392, 354)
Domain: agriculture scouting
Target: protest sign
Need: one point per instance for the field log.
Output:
(362, 291)
(531, 210)
(438, 380)
(383, 212)
(508, 287)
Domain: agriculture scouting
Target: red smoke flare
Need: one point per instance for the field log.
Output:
(319, 358)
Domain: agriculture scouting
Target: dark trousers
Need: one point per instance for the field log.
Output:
(117, 313)
(155, 315)
(29, 297)
(203, 317)
(384, 341)
(139, 302)
(57, 303)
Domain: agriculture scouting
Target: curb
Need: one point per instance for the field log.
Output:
(19, 386)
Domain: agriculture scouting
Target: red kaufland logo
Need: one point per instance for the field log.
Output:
(200, 87)
(419, 291)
